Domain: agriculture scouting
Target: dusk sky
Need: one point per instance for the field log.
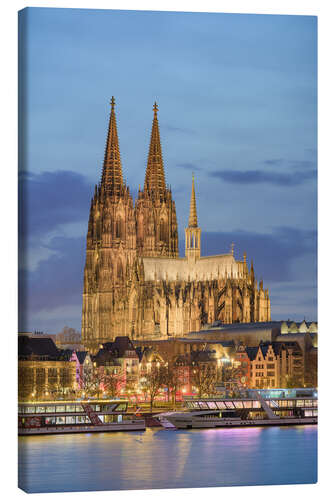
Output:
(237, 98)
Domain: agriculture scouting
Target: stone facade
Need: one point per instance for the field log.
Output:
(135, 283)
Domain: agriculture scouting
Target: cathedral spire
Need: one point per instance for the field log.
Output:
(193, 219)
(193, 232)
(155, 179)
(112, 177)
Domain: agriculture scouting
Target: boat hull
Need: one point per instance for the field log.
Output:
(137, 425)
(180, 423)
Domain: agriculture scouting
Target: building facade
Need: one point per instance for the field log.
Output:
(135, 283)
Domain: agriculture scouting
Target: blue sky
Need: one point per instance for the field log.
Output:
(237, 99)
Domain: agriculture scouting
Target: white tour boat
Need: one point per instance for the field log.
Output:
(254, 407)
(90, 415)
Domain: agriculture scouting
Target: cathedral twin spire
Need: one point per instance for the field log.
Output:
(112, 176)
(155, 179)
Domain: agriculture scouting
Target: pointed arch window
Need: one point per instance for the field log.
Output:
(140, 227)
(120, 272)
(163, 230)
(119, 227)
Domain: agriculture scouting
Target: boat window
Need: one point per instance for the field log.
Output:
(21, 409)
(50, 420)
(220, 405)
(247, 404)
(203, 405)
(29, 409)
(211, 405)
(290, 403)
(40, 409)
(256, 404)
(60, 420)
(121, 407)
(82, 419)
(229, 404)
(70, 420)
(70, 408)
(60, 409)
(238, 404)
(78, 408)
(300, 402)
(189, 404)
(50, 409)
(315, 403)
(98, 408)
(195, 404)
(308, 402)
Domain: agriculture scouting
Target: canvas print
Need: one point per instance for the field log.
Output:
(167, 250)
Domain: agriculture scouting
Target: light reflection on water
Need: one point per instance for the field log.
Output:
(158, 458)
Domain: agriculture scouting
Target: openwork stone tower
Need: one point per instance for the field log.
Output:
(135, 283)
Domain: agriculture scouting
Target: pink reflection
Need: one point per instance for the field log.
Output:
(235, 431)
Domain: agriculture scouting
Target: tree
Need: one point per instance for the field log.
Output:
(172, 379)
(111, 382)
(204, 378)
(90, 381)
(292, 381)
(153, 381)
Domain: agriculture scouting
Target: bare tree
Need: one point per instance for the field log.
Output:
(204, 378)
(111, 382)
(172, 379)
(90, 381)
(153, 382)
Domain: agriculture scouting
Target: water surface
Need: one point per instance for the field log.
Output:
(158, 458)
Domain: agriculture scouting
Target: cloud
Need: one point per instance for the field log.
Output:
(55, 285)
(51, 199)
(189, 166)
(261, 177)
(273, 254)
(274, 162)
(56, 282)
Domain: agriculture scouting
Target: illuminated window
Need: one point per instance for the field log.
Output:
(220, 405)
(229, 404)
(50, 420)
(238, 404)
(211, 405)
(203, 405)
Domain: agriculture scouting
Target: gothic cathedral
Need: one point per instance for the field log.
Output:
(135, 283)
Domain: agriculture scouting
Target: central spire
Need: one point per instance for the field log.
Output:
(112, 177)
(155, 180)
(193, 219)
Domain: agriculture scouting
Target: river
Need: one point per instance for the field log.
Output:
(159, 458)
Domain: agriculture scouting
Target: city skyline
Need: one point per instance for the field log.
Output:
(253, 153)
